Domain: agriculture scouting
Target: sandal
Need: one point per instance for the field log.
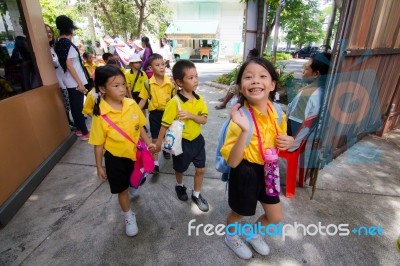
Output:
(219, 107)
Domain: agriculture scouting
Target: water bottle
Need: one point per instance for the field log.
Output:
(271, 172)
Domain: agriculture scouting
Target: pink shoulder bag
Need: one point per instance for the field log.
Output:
(144, 163)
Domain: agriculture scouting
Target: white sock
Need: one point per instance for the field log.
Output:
(196, 194)
(128, 213)
(156, 163)
(180, 184)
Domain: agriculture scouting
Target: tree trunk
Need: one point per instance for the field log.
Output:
(141, 5)
(276, 40)
(103, 7)
(328, 36)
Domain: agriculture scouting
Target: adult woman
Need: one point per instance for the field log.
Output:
(147, 52)
(59, 71)
(74, 76)
(308, 101)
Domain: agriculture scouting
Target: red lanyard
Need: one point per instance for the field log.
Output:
(260, 146)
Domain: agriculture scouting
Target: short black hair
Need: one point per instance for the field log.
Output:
(178, 71)
(106, 56)
(154, 57)
(321, 62)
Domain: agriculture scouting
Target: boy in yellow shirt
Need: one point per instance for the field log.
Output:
(135, 77)
(160, 90)
(193, 113)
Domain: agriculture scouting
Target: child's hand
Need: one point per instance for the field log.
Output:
(284, 142)
(152, 147)
(100, 173)
(183, 114)
(238, 116)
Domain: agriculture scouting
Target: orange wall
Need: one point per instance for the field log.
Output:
(33, 124)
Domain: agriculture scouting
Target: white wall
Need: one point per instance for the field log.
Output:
(229, 13)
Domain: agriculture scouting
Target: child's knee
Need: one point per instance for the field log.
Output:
(200, 171)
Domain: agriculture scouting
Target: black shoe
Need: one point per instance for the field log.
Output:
(166, 155)
(219, 107)
(156, 170)
(181, 193)
(201, 203)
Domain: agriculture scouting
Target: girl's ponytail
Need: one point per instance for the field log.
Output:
(97, 99)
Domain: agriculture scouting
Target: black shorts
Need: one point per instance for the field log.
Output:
(118, 171)
(155, 118)
(135, 96)
(246, 187)
(193, 152)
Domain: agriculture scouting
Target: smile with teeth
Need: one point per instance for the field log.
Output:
(255, 90)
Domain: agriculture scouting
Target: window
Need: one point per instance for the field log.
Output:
(18, 72)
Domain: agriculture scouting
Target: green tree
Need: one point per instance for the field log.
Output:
(51, 9)
(303, 21)
(129, 17)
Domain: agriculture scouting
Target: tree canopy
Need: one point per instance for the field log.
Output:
(126, 18)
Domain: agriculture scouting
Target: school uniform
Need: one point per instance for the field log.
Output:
(89, 103)
(130, 77)
(193, 144)
(160, 96)
(120, 153)
(246, 181)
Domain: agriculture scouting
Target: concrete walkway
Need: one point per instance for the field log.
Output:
(72, 219)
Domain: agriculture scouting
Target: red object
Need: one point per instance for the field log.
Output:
(292, 159)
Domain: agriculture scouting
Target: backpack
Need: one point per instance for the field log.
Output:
(220, 164)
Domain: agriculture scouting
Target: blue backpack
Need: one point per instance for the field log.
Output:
(220, 164)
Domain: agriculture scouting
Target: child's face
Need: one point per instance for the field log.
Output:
(190, 80)
(115, 88)
(135, 65)
(158, 67)
(256, 83)
(308, 73)
(89, 58)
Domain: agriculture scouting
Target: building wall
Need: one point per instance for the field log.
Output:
(229, 14)
(34, 127)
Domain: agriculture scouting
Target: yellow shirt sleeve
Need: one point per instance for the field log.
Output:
(170, 113)
(89, 104)
(143, 93)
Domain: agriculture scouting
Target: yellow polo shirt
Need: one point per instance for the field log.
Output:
(130, 79)
(129, 119)
(266, 125)
(89, 103)
(196, 106)
(160, 94)
(90, 68)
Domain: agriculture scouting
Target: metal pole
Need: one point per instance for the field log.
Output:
(251, 27)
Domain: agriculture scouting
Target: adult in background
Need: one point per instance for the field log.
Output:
(308, 100)
(166, 52)
(147, 52)
(59, 72)
(74, 75)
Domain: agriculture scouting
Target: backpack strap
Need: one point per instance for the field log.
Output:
(248, 115)
(140, 72)
(279, 111)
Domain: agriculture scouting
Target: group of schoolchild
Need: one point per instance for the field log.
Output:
(121, 97)
(257, 82)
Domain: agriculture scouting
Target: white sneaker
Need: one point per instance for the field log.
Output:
(239, 247)
(131, 228)
(259, 245)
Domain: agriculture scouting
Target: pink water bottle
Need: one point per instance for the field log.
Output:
(271, 172)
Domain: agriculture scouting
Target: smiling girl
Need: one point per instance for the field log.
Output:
(257, 82)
